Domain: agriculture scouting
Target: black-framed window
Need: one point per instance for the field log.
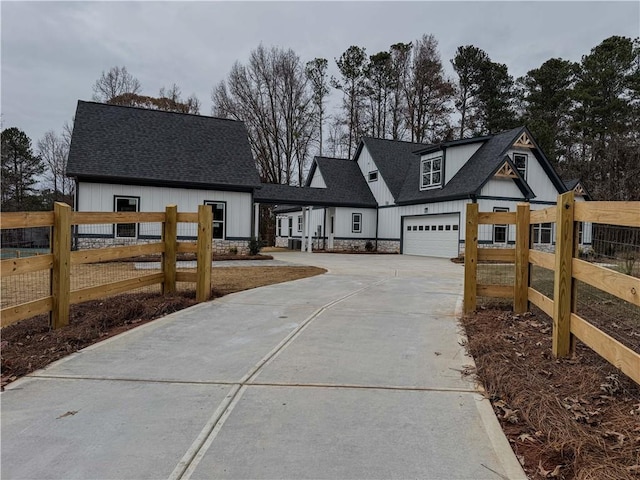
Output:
(373, 176)
(299, 223)
(219, 217)
(280, 227)
(542, 233)
(431, 172)
(520, 161)
(356, 222)
(500, 232)
(126, 204)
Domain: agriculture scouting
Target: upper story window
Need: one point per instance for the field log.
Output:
(520, 161)
(431, 173)
(373, 176)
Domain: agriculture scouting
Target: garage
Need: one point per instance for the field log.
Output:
(431, 235)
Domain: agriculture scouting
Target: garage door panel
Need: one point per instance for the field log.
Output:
(431, 235)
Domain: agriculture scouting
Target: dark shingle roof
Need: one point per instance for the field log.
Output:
(152, 147)
(571, 184)
(469, 179)
(345, 187)
(393, 158)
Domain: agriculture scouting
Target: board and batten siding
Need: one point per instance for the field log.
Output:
(501, 187)
(389, 219)
(99, 197)
(537, 178)
(317, 181)
(343, 223)
(456, 157)
(379, 188)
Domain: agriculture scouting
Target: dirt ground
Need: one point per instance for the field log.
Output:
(30, 344)
(575, 418)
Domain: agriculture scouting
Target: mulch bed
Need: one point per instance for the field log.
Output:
(574, 418)
(182, 257)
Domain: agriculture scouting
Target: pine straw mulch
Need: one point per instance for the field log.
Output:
(575, 418)
(29, 345)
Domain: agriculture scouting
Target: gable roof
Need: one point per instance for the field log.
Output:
(118, 144)
(393, 158)
(475, 173)
(345, 186)
(573, 183)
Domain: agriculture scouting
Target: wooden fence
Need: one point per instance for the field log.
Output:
(61, 258)
(567, 267)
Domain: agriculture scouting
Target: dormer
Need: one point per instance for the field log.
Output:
(432, 170)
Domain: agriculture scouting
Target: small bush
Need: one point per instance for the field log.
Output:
(255, 245)
(233, 250)
(369, 246)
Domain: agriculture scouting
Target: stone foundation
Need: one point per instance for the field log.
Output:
(220, 247)
(282, 242)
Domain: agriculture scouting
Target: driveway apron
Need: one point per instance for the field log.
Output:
(352, 374)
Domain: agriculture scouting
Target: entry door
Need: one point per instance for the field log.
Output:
(332, 223)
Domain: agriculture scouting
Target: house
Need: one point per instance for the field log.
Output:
(411, 198)
(132, 159)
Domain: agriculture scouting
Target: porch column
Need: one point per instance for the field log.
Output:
(256, 220)
(309, 231)
(304, 229)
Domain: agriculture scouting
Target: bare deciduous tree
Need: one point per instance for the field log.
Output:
(271, 95)
(54, 152)
(113, 83)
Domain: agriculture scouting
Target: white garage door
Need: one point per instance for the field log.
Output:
(431, 235)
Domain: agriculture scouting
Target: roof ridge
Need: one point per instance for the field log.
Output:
(133, 107)
(333, 158)
(395, 141)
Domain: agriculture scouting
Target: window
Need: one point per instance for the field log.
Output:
(219, 216)
(447, 227)
(299, 223)
(373, 176)
(431, 172)
(520, 161)
(421, 228)
(500, 232)
(542, 233)
(455, 227)
(580, 233)
(440, 227)
(126, 204)
(356, 222)
(433, 227)
(408, 228)
(415, 228)
(279, 227)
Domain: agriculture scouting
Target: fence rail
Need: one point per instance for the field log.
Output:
(61, 258)
(568, 270)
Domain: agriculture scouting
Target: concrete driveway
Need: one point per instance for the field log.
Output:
(351, 374)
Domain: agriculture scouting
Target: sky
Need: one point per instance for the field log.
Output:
(53, 52)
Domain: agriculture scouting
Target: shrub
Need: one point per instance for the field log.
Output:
(369, 246)
(255, 245)
(233, 250)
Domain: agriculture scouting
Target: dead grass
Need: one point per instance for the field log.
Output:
(576, 418)
(30, 344)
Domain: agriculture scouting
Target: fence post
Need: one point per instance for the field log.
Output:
(521, 284)
(562, 282)
(203, 272)
(61, 273)
(471, 258)
(169, 257)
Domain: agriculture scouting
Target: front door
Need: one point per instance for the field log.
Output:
(331, 227)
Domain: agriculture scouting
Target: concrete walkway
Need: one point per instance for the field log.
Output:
(351, 374)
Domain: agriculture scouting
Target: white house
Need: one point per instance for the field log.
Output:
(420, 193)
(132, 159)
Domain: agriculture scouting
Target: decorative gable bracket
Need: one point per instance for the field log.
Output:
(524, 141)
(579, 191)
(505, 171)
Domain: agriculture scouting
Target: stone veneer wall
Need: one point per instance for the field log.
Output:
(220, 247)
